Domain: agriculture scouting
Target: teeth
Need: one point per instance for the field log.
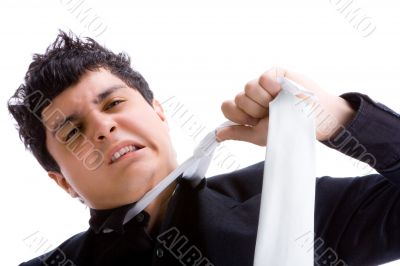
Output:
(122, 151)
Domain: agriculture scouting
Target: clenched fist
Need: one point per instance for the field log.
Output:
(250, 109)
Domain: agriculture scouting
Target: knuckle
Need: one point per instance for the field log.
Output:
(263, 80)
(250, 87)
(224, 106)
(238, 99)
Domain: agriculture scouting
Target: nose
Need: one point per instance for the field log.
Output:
(103, 128)
(105, 133)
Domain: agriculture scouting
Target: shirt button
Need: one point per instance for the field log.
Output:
(159, 252)
(107, 230)
(140, 217)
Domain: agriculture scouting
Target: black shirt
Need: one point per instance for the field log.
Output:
(357, 220)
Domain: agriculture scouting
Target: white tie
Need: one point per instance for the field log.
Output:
(288, 193)
(287, 203)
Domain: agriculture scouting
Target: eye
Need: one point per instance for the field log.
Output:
(72, 133)
(112, 104)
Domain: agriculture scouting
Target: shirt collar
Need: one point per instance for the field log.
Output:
(106, 221)
(111, 220)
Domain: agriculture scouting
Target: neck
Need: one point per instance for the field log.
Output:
(157, 209)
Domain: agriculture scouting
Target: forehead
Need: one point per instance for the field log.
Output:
(89, 86)
(92, 87)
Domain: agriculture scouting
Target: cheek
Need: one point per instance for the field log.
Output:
(69, 164)
(81, 180)
(146, 121)
(154, 134)
(71, 169)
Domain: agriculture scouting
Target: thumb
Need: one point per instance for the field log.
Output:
(236, 132)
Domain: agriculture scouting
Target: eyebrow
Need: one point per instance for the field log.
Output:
(99, 98)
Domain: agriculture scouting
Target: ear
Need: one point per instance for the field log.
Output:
(63, 183)
(159, 110)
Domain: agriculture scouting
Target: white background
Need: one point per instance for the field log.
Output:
(200, 53)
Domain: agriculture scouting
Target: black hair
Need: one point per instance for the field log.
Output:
(49, 74)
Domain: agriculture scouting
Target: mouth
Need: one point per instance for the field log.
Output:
(124, 151)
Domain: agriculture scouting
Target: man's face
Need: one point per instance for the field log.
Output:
(109, 116)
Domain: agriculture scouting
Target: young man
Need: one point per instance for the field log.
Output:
(92, 123)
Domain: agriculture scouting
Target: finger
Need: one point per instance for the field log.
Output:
(236, 132)
(235, 114)
(254, 91)
(269, 82)
(241, 133)
(249, 106)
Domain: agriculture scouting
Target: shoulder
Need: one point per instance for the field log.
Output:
(64, 254)
(241, 184)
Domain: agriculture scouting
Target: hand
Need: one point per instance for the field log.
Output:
(250, 109)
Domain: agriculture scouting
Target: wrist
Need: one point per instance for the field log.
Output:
(340, 113)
